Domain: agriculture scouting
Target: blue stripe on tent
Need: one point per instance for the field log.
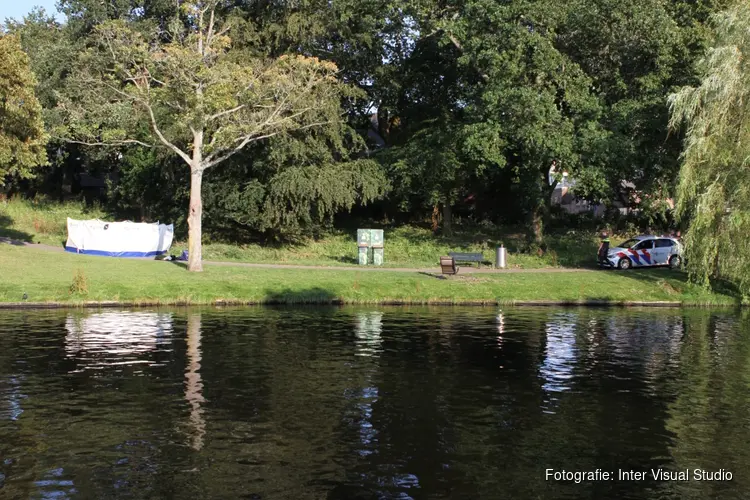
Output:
(102, 253)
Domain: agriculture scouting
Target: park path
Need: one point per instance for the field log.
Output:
(429, 270)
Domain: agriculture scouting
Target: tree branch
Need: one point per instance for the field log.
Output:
(225, 112)
(212, 160)
(163, 139)
(123, 142)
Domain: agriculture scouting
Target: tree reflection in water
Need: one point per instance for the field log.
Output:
(193, 382)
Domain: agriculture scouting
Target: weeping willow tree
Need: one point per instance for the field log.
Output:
(714, 183)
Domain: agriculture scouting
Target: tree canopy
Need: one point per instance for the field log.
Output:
(714, 184)
(22, 134)
(415, 110)
(199, 97)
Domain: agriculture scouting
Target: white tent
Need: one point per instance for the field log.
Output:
(118, 239)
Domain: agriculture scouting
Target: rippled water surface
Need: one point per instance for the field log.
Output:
(352, 403)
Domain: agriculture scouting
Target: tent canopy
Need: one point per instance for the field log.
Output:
(118, 239)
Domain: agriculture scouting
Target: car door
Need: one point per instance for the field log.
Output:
(641, 254)
(661, 252)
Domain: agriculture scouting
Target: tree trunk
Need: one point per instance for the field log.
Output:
(537, 224)
(193, 381)
(541, 213)
(447, 219)
(195, 260)
(435, 219)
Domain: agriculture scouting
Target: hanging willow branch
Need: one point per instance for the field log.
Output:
(714, 184)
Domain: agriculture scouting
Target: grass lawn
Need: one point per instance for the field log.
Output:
(45, 222)
(48, 276)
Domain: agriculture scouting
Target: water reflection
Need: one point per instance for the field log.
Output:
(560, 355)
(345, 403)
(193, 381)
(368, 344)
(500, 319)
(368, 333)
(115, 338)
(11, 396)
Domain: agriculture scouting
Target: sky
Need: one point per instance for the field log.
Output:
(19, 8)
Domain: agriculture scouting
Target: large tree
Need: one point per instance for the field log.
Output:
(524, 99)
(713, 191)
(196, 95)
(22, 135)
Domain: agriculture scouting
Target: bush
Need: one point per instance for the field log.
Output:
(80, 285)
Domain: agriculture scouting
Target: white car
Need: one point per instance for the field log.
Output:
(646, 251)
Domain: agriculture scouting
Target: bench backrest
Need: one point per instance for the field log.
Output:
(448, 265)
(466, 256)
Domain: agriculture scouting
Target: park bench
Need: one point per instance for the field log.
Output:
(467, 257)
(448, 265)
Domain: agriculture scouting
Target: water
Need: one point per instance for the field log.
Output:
(358, 403)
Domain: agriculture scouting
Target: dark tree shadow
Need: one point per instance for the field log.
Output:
(674, 281)
(12, 234)
(434, 275)
(345, 260)
(314, 295)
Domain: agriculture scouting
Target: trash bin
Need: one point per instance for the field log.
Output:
(500, 257)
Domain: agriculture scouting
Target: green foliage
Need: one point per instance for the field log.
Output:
(41, 220)
(300, 197)
(474, 101)
(22, 135)
(714, 184)
(80, 284)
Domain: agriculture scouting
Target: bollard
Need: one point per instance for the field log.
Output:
(500, 257)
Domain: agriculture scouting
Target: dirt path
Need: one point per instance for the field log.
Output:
(431, 270)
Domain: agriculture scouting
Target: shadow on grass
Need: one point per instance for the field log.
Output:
(314, 295)
(12, 234)
(345, 260)
(675, 282)
(434, 275)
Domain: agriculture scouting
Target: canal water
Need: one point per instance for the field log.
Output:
(375, 403)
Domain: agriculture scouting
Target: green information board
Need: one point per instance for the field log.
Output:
(370, 239)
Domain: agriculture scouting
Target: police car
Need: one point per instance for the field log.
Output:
(645, 251)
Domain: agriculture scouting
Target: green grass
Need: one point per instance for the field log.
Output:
(411, 246)
(44, 222)
(40, 220)
(75, 279)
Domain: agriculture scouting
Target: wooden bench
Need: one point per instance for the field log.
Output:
(467, 257)
(448, 265)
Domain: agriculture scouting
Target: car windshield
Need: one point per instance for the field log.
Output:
(630, 243)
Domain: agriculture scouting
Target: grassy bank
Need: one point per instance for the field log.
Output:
(44, 222)
(75, 279)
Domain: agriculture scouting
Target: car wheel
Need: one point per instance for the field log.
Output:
(624, 263)
(675, 261)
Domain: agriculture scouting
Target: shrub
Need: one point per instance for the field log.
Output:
(80, 283)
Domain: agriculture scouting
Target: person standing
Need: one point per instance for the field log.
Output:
(603, 248)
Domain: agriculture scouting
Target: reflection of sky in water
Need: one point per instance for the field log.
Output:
(369, 330)
(557, 368)
(500, 329)
(10, 398)
(368, 343)
(116, 338)
(53, 486)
